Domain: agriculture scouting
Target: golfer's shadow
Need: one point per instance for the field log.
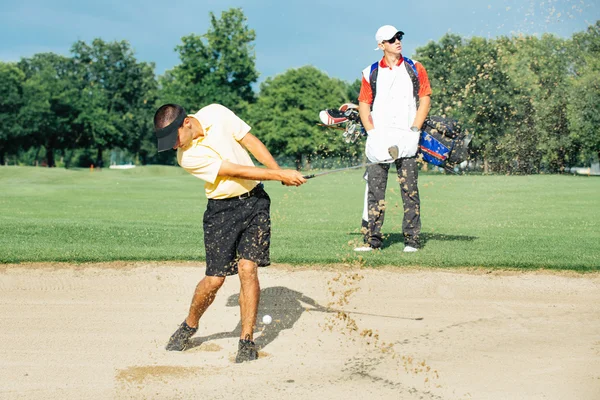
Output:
(285, 306)
(390, 239)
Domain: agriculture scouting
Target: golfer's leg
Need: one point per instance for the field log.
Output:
(205, 293)
(249, 297)
(377, 183)
(411, 223)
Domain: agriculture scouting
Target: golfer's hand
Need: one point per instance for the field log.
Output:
(290, 177)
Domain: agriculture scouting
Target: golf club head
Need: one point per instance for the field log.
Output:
(393, 152)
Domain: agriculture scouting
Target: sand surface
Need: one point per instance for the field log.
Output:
(99, 331)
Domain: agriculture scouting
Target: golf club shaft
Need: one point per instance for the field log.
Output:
(332, 310)
(345, 169)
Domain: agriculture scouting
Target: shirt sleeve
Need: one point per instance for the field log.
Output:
(236, 125)
(366, 94)
(203, 164)
(424, 86)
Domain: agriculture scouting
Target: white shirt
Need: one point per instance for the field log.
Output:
(394, 104)
(394, 111)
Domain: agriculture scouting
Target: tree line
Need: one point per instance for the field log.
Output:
(531, 103)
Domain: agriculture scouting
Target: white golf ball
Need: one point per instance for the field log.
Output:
(267, 319)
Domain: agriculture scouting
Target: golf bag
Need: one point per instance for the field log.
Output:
(443, 143)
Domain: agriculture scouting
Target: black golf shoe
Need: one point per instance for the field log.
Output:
(180, 340)
(246, 351)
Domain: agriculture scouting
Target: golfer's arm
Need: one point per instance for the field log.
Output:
(364, 111)
(422, 111)
(232, 170)
(259, 151)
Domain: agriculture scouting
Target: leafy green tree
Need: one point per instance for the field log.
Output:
(353, 91)
(286, 114)
(49, 103)
(117, 95)
(217, 67)
(469, 86)
(538, 68)
(447, 81)
(11, 101)
(584, 97)
(484, 100)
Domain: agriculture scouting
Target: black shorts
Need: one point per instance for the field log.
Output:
(237, 228)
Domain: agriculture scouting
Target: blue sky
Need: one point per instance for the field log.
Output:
(336, 36)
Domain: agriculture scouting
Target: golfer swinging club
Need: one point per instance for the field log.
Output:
(212, 145)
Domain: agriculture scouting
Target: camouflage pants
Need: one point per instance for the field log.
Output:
(377, 177)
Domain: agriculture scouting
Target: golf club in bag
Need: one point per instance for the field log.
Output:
(347, 115)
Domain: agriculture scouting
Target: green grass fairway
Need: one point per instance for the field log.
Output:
(155, 213)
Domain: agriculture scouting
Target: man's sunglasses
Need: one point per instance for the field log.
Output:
(397, 36)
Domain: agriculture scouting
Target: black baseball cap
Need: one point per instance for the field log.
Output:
(167, 136)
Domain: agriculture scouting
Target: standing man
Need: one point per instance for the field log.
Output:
(212, 145)
(394, 101)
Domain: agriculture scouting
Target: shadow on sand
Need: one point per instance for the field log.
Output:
(285, 306)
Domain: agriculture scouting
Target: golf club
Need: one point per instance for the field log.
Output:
(392, 151)
(333, 310)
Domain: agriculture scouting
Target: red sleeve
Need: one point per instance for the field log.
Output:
(424, 86)
(366, 94)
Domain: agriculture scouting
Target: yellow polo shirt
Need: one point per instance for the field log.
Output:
(203, 157)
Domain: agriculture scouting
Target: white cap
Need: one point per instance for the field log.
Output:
(386, 32)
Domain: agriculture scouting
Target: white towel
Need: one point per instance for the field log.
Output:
(381, 140)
